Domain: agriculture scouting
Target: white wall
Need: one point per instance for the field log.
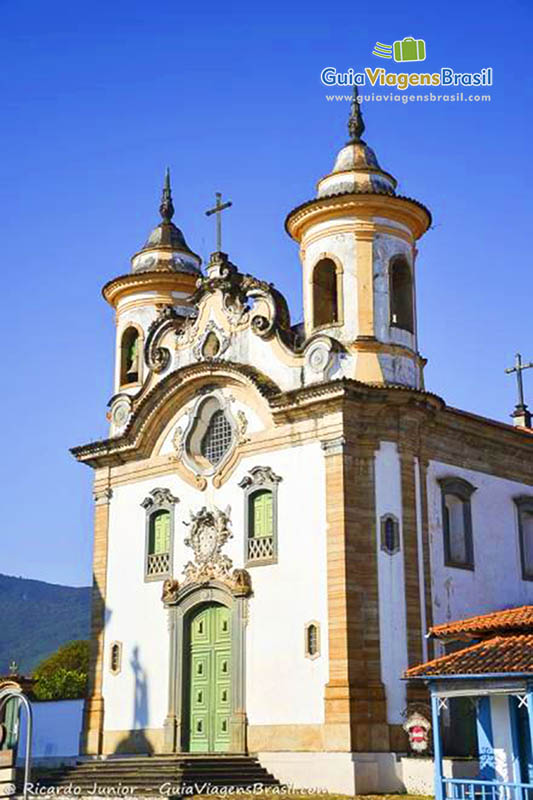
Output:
(285, 596)
(56, 729)
(391, 582)
(496, 581)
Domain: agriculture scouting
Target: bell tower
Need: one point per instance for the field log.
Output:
(163, 273)
(357, 242)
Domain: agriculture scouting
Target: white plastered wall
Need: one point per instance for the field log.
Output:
(496, 581)
(285, 596)
(391, 583)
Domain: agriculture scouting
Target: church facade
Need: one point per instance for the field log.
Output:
(282, 511)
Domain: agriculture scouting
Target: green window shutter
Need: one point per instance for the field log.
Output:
(160, 533)
(261, 515)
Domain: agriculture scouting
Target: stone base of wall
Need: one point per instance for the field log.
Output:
(345, 773)
(419, 778)
(146, 741)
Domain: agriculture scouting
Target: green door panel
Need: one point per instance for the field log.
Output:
(210, 680)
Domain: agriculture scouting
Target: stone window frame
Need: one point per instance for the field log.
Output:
(159, 499)
(383, 539)
(463, 490)
(197, 425)
(259, 479)
(339, 291)
(401, 258)
(523, 503)
(115, 646)
(312, 623)
(130, 325)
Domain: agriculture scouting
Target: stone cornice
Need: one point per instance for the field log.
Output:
(420, 421)
(403, 209)
(133, 443)
(116, 288)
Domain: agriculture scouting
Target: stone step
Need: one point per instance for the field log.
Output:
(147, 773)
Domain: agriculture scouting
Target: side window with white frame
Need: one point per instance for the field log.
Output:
(261, 516)
(524, 507)
(159, 535)
(457, 522)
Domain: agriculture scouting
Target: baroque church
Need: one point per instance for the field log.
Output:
(283, 510)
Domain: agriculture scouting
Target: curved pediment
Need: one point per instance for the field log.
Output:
(152, 413)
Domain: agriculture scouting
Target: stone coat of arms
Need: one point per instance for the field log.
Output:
(209, 532)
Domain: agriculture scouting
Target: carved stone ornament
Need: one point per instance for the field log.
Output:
(259, 476)
(211, 329)
(209, 532)
(120, 411)
(178, 442)
(242, 427)
(170, 591)
(240, 293)
(320, 356)
(159, 497)
(158, 358)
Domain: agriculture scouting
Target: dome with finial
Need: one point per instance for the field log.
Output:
(166, 249)
(356, 167)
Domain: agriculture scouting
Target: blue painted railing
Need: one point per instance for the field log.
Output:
(466, 789)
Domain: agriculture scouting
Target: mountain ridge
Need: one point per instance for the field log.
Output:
(36, 617)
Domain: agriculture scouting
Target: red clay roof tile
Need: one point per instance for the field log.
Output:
(498, 655)
(510, 620)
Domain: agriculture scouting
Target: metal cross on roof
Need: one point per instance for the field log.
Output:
(521, 407)
(218, 209)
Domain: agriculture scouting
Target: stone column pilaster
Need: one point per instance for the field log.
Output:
(93, 714)
(355, 706)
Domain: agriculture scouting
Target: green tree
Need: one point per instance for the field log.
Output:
(63, 675)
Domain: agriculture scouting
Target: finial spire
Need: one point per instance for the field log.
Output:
(166, 209)
(356, 125)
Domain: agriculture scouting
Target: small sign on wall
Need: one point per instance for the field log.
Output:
(418, 729)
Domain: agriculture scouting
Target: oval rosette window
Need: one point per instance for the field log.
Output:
(211, 436)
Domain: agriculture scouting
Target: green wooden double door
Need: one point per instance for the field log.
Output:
(209, 679)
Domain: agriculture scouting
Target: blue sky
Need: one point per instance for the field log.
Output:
(97, 98)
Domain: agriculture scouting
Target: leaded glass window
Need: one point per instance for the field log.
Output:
(115, 659)
(312, 640)
(217, 438)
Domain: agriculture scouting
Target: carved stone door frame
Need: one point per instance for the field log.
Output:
(189, 598)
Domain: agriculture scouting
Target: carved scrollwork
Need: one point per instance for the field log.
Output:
(242, 427)
(241, 582)
(260, 476)
(170, 591)
(158, 358)
(240, 293)
(159, 498)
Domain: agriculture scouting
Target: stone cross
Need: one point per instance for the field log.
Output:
(521, 414)
(218, 209)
